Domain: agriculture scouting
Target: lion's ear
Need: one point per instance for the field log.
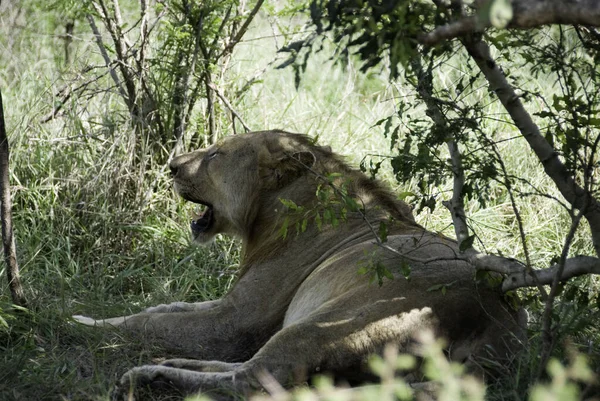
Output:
(305, 159)
(285, 168)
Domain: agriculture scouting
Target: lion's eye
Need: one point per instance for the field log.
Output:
(212, 155)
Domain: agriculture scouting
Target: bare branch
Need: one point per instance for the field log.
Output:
(229, 106)
(238, 36)
(532, 13)
(547, 338)
(104, 53)
(516, 272)
(181, 88)
(455, 205)
(573, 267)
(526, 14)
(213, 45)
(121, 47)
(450, 31)
(143, 33)
(119, 24)
(210, 107)
(493, 263)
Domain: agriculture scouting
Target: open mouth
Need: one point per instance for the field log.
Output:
(203, 220)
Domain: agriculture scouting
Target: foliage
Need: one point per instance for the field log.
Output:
(162, 58)
(452, 383)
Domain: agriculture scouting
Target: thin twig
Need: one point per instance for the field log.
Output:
(104, 54)
(507, 184)
(229, 106)
(456, 205)
(121, 49)
(242, 30)
(547, 337)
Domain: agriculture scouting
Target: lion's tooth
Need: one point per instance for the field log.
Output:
(195, 213)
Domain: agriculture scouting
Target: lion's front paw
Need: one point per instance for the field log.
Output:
(136, 379)
(88, 321)
(170, 308)
(112, 322)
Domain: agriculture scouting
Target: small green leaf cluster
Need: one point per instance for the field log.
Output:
(333, 204)
(373, 30)
(371, 266)
(563, 384)
(443, 288)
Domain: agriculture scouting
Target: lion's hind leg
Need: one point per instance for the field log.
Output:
(339, 338)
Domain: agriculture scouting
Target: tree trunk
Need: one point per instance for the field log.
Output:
(10, 253)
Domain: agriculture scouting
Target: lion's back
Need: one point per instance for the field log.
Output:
(440, 288)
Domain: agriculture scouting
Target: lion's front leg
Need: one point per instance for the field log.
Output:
(162, 308)
(201, 366)
(182, 307)
(183, 381)
(88, 321)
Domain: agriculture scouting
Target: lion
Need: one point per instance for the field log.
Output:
(299, 305)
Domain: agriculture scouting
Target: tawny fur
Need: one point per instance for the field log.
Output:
(299, 305)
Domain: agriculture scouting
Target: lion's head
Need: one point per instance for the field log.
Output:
(242, 178)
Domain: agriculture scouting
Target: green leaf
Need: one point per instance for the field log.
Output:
(383, 231)
(379, 122)
(544, 114)
(557, 103)
(351, 203)
(405, 269)
(405, 194)
(481, 275)
(289, 204)
(3, 323)
(334, 220)
(441, 287)
(283, 231)
(363, 270)
(387, 127)
(466, 243)
(394, 137)
(332, 176)
(436, 287)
